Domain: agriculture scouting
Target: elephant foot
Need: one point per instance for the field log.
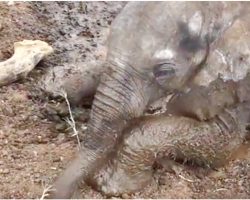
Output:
(115, 179)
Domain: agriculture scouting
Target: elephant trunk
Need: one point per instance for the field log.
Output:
(122, 95)
(119, 98)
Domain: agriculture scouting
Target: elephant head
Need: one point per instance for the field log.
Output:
(154, 48)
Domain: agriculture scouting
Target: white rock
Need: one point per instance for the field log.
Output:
(27, 54)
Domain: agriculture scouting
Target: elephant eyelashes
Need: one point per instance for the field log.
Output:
(164, 71)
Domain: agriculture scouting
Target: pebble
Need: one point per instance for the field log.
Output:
(39, 138)
(19, 97)
(61, 137)
(7, 111)
(162, 180)
(19, 166)
(59, 109)
(54, 168)
(5, 153)
(10, 3)
(51, 111)
(61, 126)
(125, 196)
(57, 160)
(4, 171)
(218, 174)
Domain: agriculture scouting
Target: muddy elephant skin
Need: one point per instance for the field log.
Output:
(225, 78)
(210, 141)
(154, 48)
(206, 143)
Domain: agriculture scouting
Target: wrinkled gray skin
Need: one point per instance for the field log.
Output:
(207, 125)
(154, 48)
(224, 79)
(208, 144)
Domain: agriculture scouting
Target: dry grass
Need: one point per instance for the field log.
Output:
(71, 120)
(46, 191)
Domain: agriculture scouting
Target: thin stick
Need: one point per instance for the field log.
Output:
(220, 189)
(71, 120)
(188, 180)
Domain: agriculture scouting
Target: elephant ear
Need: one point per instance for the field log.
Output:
(191, 39)
(195, 24)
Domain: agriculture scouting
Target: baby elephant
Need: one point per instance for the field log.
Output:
(205, 125)
(156, 48)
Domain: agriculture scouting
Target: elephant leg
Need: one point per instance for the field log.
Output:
(207, 143)
(79, 82)
(81, 86)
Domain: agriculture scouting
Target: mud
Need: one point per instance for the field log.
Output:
(36, 142)
(208, 144)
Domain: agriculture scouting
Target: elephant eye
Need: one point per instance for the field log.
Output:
(164, 71)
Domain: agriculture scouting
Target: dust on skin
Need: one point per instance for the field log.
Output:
(33, 152)
(209, 144)
(206, 103)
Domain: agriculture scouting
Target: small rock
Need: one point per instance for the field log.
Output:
(54, 168)
(61, 137)
(62, 110)
(19, 166)
(19, 97)
(218, 174)
(57, 160)
(125, 196)
(39, 138)
(37, 175)
(51, 111)
(11, 3)
(55, 118)
(81, 115)
(5, 153)
(7, 111)
(162, 180)
(4, 171)
(61, 127)
(35, 153)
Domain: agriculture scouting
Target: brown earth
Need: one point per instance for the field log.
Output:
(35, 141)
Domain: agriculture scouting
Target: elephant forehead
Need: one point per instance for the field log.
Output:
(146, 32)
(164, 54)
(146, 27)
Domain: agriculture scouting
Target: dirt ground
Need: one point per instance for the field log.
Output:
(36, 143)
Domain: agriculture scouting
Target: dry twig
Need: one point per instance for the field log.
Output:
(186, 179)
(46, 191)
(71, 120)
